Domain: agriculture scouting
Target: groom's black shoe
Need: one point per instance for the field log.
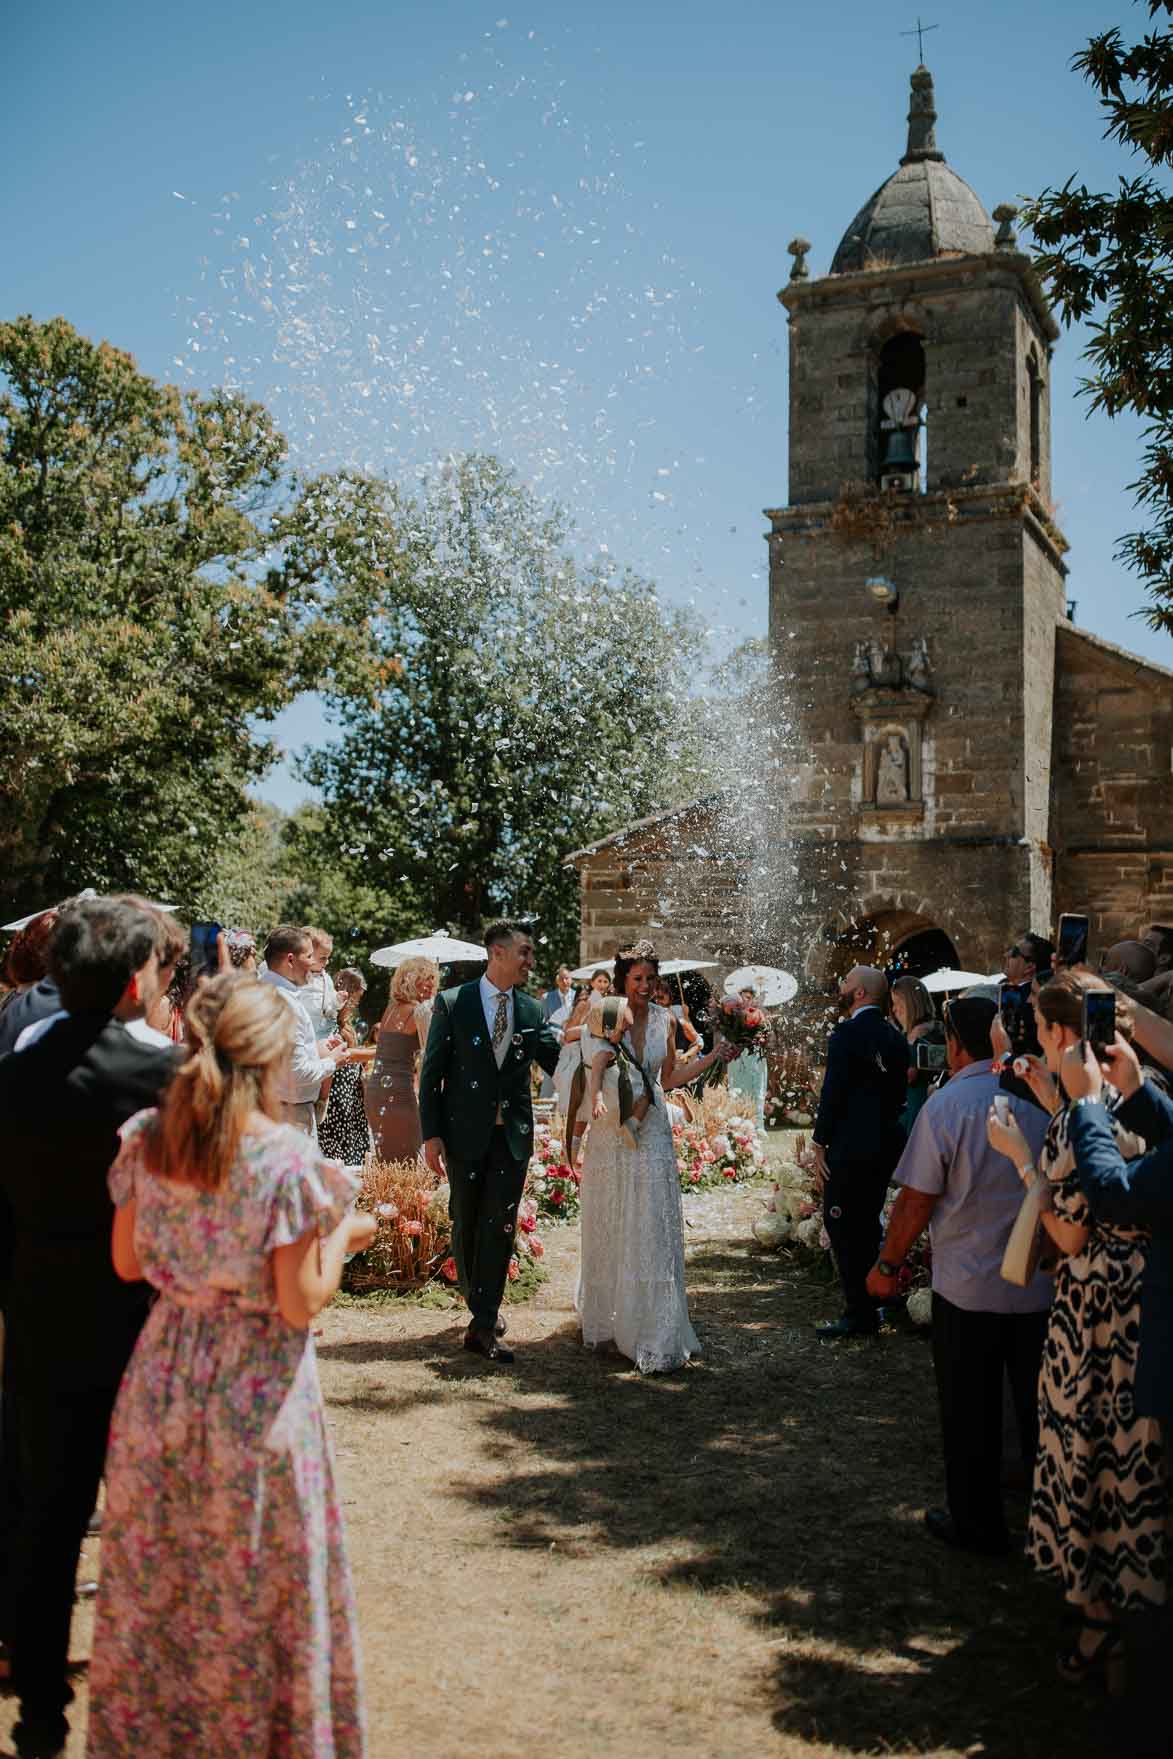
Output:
(483, 1343)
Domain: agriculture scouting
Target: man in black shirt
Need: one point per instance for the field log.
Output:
(71, 1323)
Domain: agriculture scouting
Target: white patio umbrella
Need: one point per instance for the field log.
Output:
(88, 892)
(771, 985)
(947, 978)
(445, 949)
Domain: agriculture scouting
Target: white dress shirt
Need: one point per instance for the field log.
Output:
(320, 1000)
(305, 1072)
(489, 995)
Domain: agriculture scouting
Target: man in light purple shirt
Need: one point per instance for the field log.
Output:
(984, 1328)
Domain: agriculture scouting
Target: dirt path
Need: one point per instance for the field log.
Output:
(566, 1558)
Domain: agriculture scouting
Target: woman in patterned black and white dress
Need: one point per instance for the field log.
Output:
(1098, 1511)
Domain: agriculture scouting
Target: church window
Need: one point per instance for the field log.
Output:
(1036, 404)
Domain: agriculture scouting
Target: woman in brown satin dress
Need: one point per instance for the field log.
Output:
(392, 1109)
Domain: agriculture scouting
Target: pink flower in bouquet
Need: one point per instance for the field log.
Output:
(514, 1270)
(729, 1172)
(722, 1145)
(413, 1227)
(537, 1250)
(555, 1195)
(695, 1176)
(707, 1154)
(805, 1210)
(527, 1223)
(448, 1270)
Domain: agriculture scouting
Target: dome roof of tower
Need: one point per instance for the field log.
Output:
(924, 210)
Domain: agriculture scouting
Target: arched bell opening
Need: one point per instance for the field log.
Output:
(900, 388)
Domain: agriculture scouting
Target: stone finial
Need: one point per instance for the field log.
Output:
(922, 121)
(798, 248)
(1005, 238)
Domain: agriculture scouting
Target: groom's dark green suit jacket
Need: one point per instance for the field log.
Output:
(461, 1087)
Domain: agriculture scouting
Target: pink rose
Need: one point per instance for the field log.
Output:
(556, 1194)
(413, 1227)
(528, 1224)
(537, 1250)
(514, 1270)
(448, 1270)
(695, 1177)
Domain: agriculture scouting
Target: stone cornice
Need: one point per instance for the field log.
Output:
(861, 284)
(982, 501)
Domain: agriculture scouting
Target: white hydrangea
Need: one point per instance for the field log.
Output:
(919, 1306)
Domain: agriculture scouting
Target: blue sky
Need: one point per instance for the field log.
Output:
(550, 231)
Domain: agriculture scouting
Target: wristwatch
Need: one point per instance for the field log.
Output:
(886, 1268)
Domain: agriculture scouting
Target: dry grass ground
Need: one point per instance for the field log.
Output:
(565, 1558)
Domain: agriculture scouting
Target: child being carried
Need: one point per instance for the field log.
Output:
(609, 1018)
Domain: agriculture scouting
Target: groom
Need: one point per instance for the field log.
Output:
(476, 1115)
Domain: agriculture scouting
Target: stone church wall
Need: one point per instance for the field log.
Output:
(1113, 787)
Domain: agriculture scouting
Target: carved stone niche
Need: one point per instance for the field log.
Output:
(891, 729)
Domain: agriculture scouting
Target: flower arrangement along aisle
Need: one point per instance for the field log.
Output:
(413, 1247)
(801, 1197)
(553, 1184)
(718, 1145)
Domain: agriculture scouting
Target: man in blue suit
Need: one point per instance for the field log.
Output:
(858, 1138)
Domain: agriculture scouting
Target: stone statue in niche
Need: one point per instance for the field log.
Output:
(892, 771)
(918, 665)
(861, 671)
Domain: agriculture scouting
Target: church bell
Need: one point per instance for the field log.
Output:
(900, 451)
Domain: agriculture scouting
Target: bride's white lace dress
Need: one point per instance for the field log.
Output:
(631, 1285)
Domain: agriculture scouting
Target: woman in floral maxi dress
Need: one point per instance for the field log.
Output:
(225, 1622)
(1100, 1501)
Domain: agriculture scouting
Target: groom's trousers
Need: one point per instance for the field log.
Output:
(484, 1195)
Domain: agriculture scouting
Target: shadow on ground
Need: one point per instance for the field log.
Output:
(793, 1474)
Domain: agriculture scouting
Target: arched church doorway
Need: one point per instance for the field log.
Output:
(901, 942)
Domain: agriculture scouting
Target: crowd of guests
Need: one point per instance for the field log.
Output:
(1041, 1166)
(176, 1203)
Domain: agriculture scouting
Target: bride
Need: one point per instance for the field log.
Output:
(631, 1287)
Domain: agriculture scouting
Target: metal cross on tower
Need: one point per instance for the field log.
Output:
(919, 34)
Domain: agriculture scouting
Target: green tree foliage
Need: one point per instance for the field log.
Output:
(512, 706)
(147, 620)
(1108, 258)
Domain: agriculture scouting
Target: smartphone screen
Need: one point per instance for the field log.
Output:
(1071, 945)
(204, 955)
(929, 1056)
(1099, 1019)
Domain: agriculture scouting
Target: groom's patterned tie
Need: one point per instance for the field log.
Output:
(500, 1022)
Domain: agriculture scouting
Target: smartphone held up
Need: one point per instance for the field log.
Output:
(1099, 1020)
(1071, 940)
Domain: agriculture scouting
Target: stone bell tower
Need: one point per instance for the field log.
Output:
(917, 577)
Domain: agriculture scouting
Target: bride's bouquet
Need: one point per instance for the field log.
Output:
(743, 1025)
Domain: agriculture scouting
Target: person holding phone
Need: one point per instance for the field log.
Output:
(914, 1013)
(1097, 1519)
(222, 1517)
